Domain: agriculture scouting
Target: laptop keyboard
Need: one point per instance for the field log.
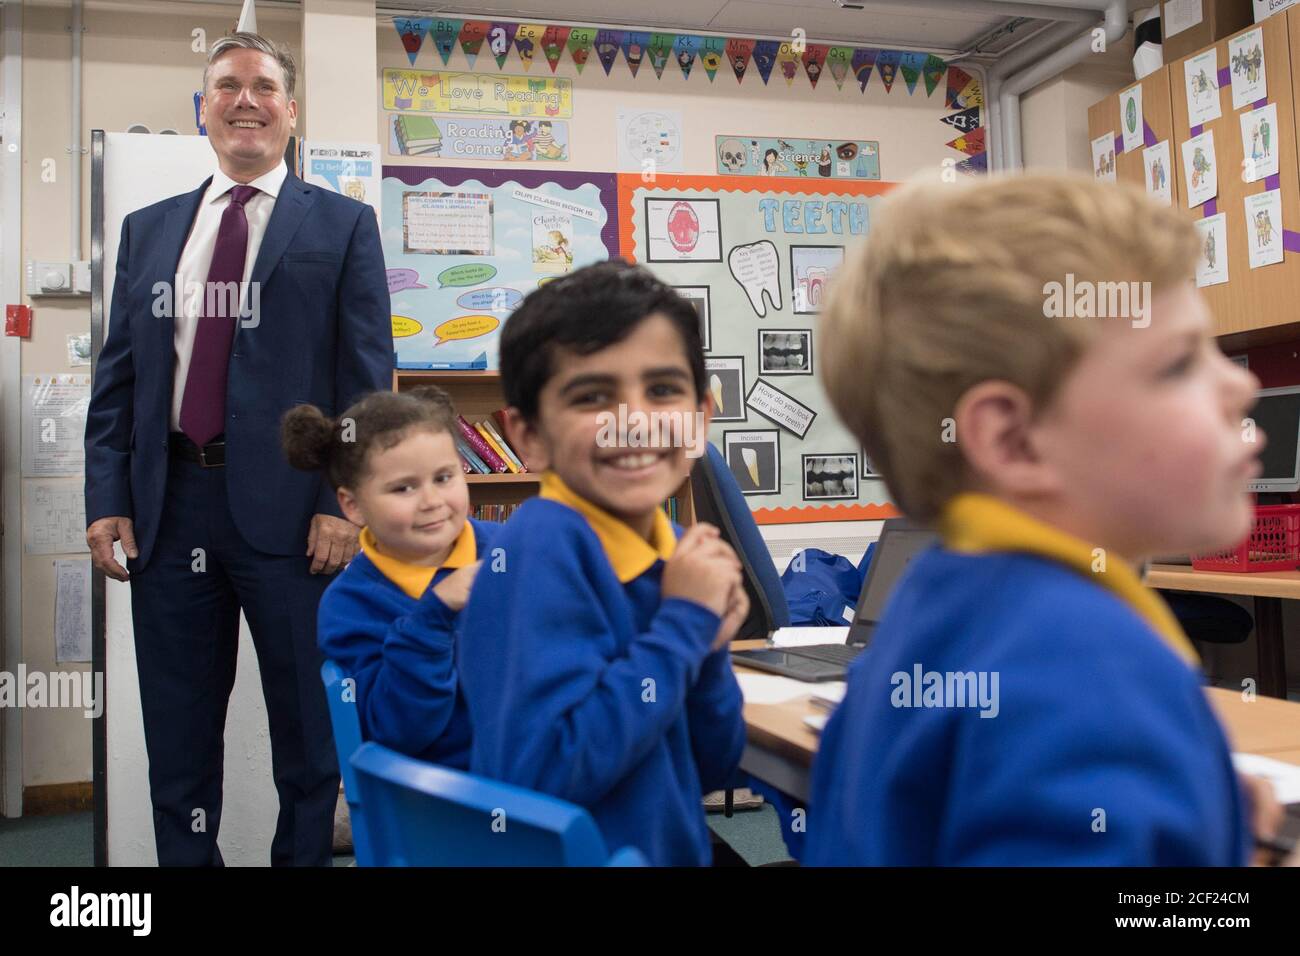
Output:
(829, 653)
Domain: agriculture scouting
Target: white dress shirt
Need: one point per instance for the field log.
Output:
(196, 259)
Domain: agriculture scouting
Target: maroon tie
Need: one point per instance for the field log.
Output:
(203, 406)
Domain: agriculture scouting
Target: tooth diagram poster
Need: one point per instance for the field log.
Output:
(766, 253)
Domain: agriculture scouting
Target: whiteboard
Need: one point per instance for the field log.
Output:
(140, 169)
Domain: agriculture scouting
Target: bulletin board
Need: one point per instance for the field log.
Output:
(464, 246)
(754, 255)
(1153, 118)
(1251, 299)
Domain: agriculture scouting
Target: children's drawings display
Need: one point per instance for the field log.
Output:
(757, 257)
(464, 246)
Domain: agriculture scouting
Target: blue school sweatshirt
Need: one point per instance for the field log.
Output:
(400, 649)
(1103, 750)
(585, 683)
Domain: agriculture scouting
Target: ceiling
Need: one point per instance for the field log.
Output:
(944, 25)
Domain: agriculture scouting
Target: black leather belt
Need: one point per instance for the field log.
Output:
(211, 455)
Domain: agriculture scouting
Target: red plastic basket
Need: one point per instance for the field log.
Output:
(1273, 545)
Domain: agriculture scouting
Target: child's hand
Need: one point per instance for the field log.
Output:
(453, 590)
(1266, 813)
(703, 569)
(737, 611)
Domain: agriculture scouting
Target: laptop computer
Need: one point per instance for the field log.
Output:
(900, 541)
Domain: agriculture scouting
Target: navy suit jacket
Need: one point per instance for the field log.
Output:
(323, 335)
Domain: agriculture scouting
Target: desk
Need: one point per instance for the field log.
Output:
(779, 747)
(1268, 588)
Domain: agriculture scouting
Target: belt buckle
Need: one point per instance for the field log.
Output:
(203, 456)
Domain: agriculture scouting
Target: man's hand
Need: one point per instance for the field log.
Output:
(331, 543)
(100, 537)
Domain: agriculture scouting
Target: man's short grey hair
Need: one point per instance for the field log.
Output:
(254, 41)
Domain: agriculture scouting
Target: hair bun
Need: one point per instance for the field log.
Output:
(307, 434)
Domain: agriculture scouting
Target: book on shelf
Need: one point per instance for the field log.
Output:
(497, 424)
(467, 454)
(481, 448)
(502, 445)
(481, 428)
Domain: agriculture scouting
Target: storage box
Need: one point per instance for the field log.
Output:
(1216, 20)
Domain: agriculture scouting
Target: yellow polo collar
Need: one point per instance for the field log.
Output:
(629, 554)
(976, 523)
(414, 579)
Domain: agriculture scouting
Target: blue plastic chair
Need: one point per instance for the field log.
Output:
(422, 814)
(347, 740)
(719, 501)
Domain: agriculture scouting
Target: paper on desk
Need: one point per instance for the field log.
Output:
(770, 688)
(804, 636)
(1285, 777)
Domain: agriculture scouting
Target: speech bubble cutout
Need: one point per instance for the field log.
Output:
(465, 327)
(469, 274)
(496, 299)
(404, 327)
(757, 268)
(399, 279)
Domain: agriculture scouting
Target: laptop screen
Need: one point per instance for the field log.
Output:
(894, 551)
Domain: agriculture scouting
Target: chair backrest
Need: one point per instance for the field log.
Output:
(422, 814)
(719, 501)
(341, 694)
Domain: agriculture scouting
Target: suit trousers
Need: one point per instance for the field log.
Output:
(186, 604)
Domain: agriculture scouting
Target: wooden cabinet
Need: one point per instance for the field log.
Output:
(1157, 114)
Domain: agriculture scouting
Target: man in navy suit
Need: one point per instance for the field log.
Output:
(232, 304)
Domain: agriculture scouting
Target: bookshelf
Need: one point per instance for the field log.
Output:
(477, 395)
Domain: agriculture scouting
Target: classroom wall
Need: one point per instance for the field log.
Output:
(139, 67)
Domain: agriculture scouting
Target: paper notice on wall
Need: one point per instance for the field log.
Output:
(447, 223)
(350, 169)
(780, 408)
(54, 424)
(1264, 228)
(649, 141)
(554, 202)
(72, 611)
(1132, 126)
(1180, 15)
(54, 517)
(1212, 266)
(1156, 161)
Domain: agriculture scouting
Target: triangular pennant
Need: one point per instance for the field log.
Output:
(634, 44)
(838, 59)
(787, 60)
(864, 59)
(580, 41)
(971, 95)
(911, 66)
(247, 22)
(472, 34)
(711, 54)
(933, 72)
(608, 43)
(965, 120)
(686, 48)
(978, 163)
(765, 57)
(887, 66)
(969, 143)
(814, 59)
(554, 40)
(411, 32)
(957, 80)
(528, 37)
(445, 33)
(661, 48)
(738, 53)
(500, 36)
